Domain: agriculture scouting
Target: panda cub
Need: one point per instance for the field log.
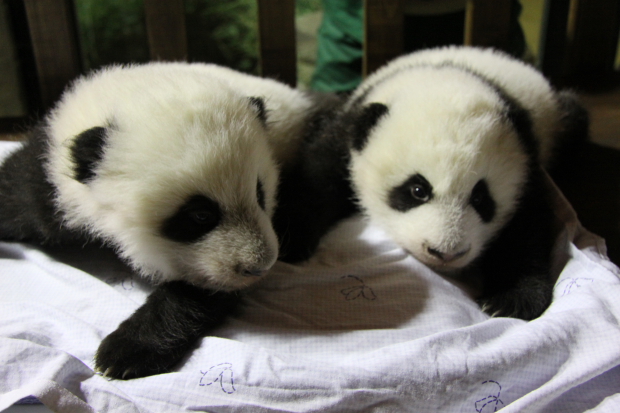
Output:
(444, 150)
(176, 167)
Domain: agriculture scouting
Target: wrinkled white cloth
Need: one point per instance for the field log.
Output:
(361, 327)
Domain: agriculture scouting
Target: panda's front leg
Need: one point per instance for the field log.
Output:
(157, 336)
(516, 267)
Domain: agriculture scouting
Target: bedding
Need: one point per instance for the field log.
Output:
(362, 326)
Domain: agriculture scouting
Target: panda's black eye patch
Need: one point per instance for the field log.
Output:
(260, 194)
(193, 220)
(482, 201)
(415, 191)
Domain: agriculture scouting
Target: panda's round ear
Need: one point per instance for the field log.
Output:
(364, 121)
(87, 152)
(258, 104)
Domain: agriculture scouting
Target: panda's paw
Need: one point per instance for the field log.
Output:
(162, 331)
(124, 355)
(516, 305)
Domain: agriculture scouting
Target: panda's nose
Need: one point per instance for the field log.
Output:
(446, 256)
(254, 272)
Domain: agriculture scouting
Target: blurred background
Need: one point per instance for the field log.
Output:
(223, 32)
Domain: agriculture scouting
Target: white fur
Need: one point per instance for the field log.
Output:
(177, 130)
(518, 79)
(449, 126)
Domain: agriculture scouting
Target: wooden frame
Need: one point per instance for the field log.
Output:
(277, 46)
(487, 23)
(55, 45)
(165, 28)
(579, 38)
(383, 34)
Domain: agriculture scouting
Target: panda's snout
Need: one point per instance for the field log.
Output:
(446, 256)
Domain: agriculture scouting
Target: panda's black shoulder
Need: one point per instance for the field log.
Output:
(27, 208)
(573, 134)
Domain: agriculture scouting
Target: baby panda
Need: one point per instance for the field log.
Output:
(444, 150)
(176, 167)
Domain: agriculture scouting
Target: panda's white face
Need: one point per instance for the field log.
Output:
(181, 194)
(440, 174)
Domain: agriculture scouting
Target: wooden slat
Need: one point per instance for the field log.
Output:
(487, 23)
(592, 39)
(383, 33)
(55, 45)
(554, 40)
(579, 41)
(165, 27)
(276, 26)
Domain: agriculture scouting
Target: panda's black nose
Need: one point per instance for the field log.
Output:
(254, 272)
(446, 256)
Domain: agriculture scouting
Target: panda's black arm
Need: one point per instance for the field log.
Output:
(159, 334)
(27, 211)
(516, 267)
(316, 193)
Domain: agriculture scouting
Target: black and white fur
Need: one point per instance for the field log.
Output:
(444, 150)
(175, 166)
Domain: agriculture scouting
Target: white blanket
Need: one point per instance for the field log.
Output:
(361, 327)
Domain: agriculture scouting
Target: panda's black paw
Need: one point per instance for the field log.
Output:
(163, 330)
(127, 354)
(516, 304)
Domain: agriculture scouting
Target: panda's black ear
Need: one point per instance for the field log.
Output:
(87, 151)
(258, 104)
(364, 121)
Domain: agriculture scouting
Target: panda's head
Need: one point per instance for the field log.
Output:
(183, 188)
(438, 163)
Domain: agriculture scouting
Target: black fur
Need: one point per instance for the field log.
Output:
(159, 334)
(516, 265)
(366, 120)
(573, 135)
(315, 193)
(193, 220)
(87, 152)
(27, 209)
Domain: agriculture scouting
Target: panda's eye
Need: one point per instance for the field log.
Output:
(419, 192)
(413, 192)
(201, 217)
(476, 200)
(193, 220)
